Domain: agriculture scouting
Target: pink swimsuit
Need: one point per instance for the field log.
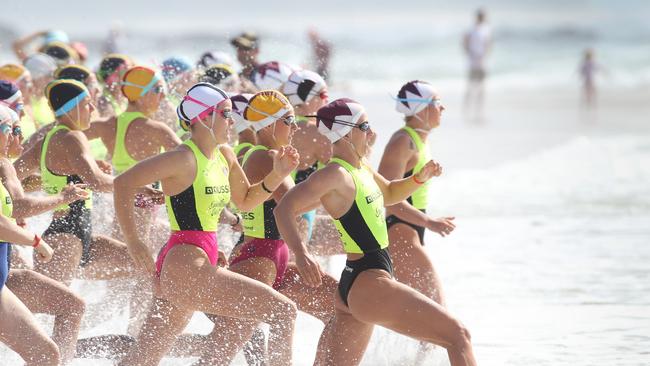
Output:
(206, 240)
(275, 250)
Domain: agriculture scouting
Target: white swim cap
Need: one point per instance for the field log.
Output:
(338, 118)
(302, 86)
(239, 104)
(40, 64)
(271, 75)
(201, 100)
(413, 97)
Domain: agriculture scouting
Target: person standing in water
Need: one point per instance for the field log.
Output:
(368, 294)
(588, 70)
(477, 43)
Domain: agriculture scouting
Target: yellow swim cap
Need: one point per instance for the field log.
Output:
(12, 72)
(138, 81)
(266, 107)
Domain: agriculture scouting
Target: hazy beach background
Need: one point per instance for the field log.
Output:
(550, 263)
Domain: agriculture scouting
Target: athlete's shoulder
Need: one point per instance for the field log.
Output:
(401, 141)
(228, 153)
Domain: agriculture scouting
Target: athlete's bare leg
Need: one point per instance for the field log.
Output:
(411, 263)
(43, 295)
(20, 331)
(192, 284)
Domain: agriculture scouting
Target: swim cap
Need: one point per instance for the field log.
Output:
(338, 118)
(61, 52)
(56, 36)
(271, 75)
(413, 97)
(302, 85)
(9, 94)
(13, 72)
(210, 58)
(266, 107)
(174, 66)
(111, 66)
(200, 100)
(40, 65)
(65, 94)
(74, 72)
(138, 81)
(239, 104)
(7, 115)
(246, 41)
(221, 75)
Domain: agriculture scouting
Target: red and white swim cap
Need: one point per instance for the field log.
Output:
(338, 118)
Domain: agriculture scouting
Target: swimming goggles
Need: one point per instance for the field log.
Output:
(363, 126)
(225, 113)
(435, 102)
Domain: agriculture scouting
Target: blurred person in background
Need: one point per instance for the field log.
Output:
(477, 44)
(322, 53)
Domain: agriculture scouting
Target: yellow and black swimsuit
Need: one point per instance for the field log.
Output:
(363, 228)
(77, 221)
(5, 247)
(419, 198)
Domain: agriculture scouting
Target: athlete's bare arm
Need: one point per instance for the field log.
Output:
(80, 159)
(27, 206)
(398, 190)
(259, 165)
(29, 162)
(165, 136)
(246, 196)
(328, 186)
(163, 167)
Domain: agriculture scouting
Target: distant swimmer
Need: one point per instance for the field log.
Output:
(248, 51)
(356, 196)
(477, 44)
(588, 70)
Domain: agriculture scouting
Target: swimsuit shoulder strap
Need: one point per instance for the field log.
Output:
(250, 152)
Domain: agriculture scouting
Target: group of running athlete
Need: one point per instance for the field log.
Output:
(263, 151)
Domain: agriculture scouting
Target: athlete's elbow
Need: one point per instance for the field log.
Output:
(122, 184)
(284, 209)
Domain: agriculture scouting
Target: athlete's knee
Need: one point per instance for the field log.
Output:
(45, 352)
(461, 339)
(76, 306)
